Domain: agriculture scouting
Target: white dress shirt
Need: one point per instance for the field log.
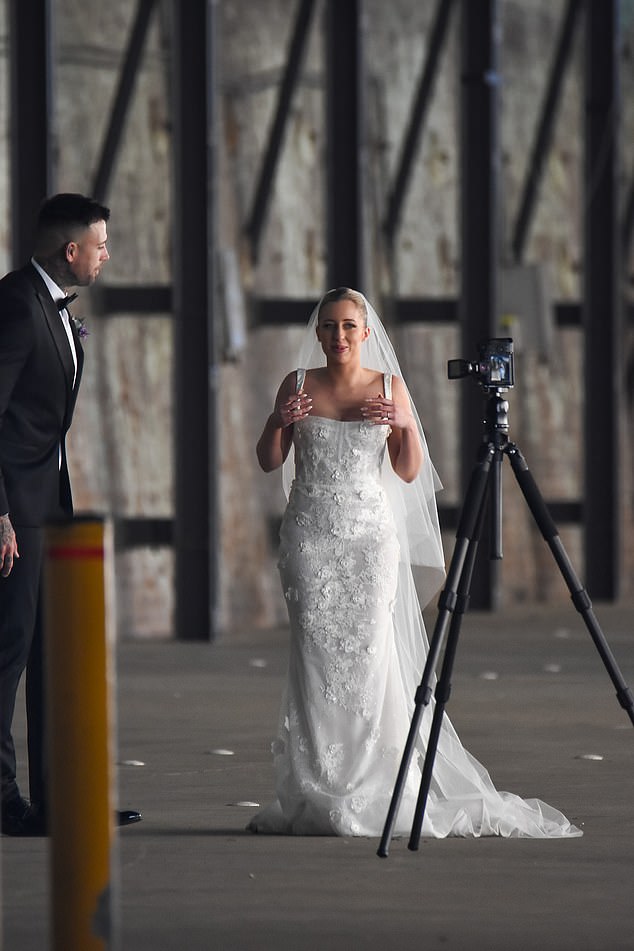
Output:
(58, 294)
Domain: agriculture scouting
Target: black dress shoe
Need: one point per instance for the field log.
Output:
(13, 813)
(21, 819)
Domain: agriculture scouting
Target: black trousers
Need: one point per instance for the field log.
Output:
(21, 647)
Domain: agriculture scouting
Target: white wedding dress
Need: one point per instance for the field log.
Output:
(348, 700)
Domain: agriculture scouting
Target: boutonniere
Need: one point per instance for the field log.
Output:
(80, 327)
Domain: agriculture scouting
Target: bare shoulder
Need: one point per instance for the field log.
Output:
(288, 385)
(373, 379)
(399, 389)
(317, 380)
(316, 374)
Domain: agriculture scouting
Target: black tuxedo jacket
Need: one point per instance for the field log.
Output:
(37, 399)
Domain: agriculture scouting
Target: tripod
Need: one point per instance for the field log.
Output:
(454, 599)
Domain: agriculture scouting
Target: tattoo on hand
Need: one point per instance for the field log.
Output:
(7, 535)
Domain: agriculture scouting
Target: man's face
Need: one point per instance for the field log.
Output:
(86, 256)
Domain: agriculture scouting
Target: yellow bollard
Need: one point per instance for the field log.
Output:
(79, 670)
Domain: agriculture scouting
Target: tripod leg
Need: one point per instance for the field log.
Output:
(392, 813)
(443, 687)
(469, 525)
(496, 507)
(579, 595)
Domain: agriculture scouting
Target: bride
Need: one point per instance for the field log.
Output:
(361, 510)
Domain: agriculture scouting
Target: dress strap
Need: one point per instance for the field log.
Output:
(301, 376)
(387, 385)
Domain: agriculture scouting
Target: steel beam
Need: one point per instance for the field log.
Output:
(344, 144)
(628, 221)
(196, 529)
(266, 177)
(479, 155)
(275, 311)
(602, 304)
(129, 71)
(545, 127)
(437, 39)
(141, 532)
(32, 178)
(153, 300)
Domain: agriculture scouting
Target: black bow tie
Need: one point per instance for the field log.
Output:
(65, 301)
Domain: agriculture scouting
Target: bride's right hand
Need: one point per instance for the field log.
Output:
(296, 407)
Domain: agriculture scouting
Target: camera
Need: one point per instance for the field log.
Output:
(494, 367)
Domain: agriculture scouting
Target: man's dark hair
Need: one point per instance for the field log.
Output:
(68, 210)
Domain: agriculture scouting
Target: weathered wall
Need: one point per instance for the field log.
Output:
(121, 441)
(121, 447)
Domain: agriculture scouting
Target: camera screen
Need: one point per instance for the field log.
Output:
(499, 368)
(496, 362)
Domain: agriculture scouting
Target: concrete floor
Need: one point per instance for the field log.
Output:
(531, 699)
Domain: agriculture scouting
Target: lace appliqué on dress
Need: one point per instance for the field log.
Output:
(345, 716)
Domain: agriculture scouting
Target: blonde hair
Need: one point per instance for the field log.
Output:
(344, 293)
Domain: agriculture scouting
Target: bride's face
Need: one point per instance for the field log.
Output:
(341, 330)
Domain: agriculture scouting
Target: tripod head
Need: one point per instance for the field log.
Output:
(496, 421)
(494, 371)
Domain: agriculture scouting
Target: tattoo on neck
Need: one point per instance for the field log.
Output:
(57, 270)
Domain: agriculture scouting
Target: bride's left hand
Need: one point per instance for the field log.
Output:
(381, 411)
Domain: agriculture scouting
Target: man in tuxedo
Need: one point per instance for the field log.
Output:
(41, 361)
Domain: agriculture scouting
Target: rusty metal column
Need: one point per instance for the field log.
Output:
(30, 55)
(479, 233)
(196, 528)
(602, 303)
(345, 144)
